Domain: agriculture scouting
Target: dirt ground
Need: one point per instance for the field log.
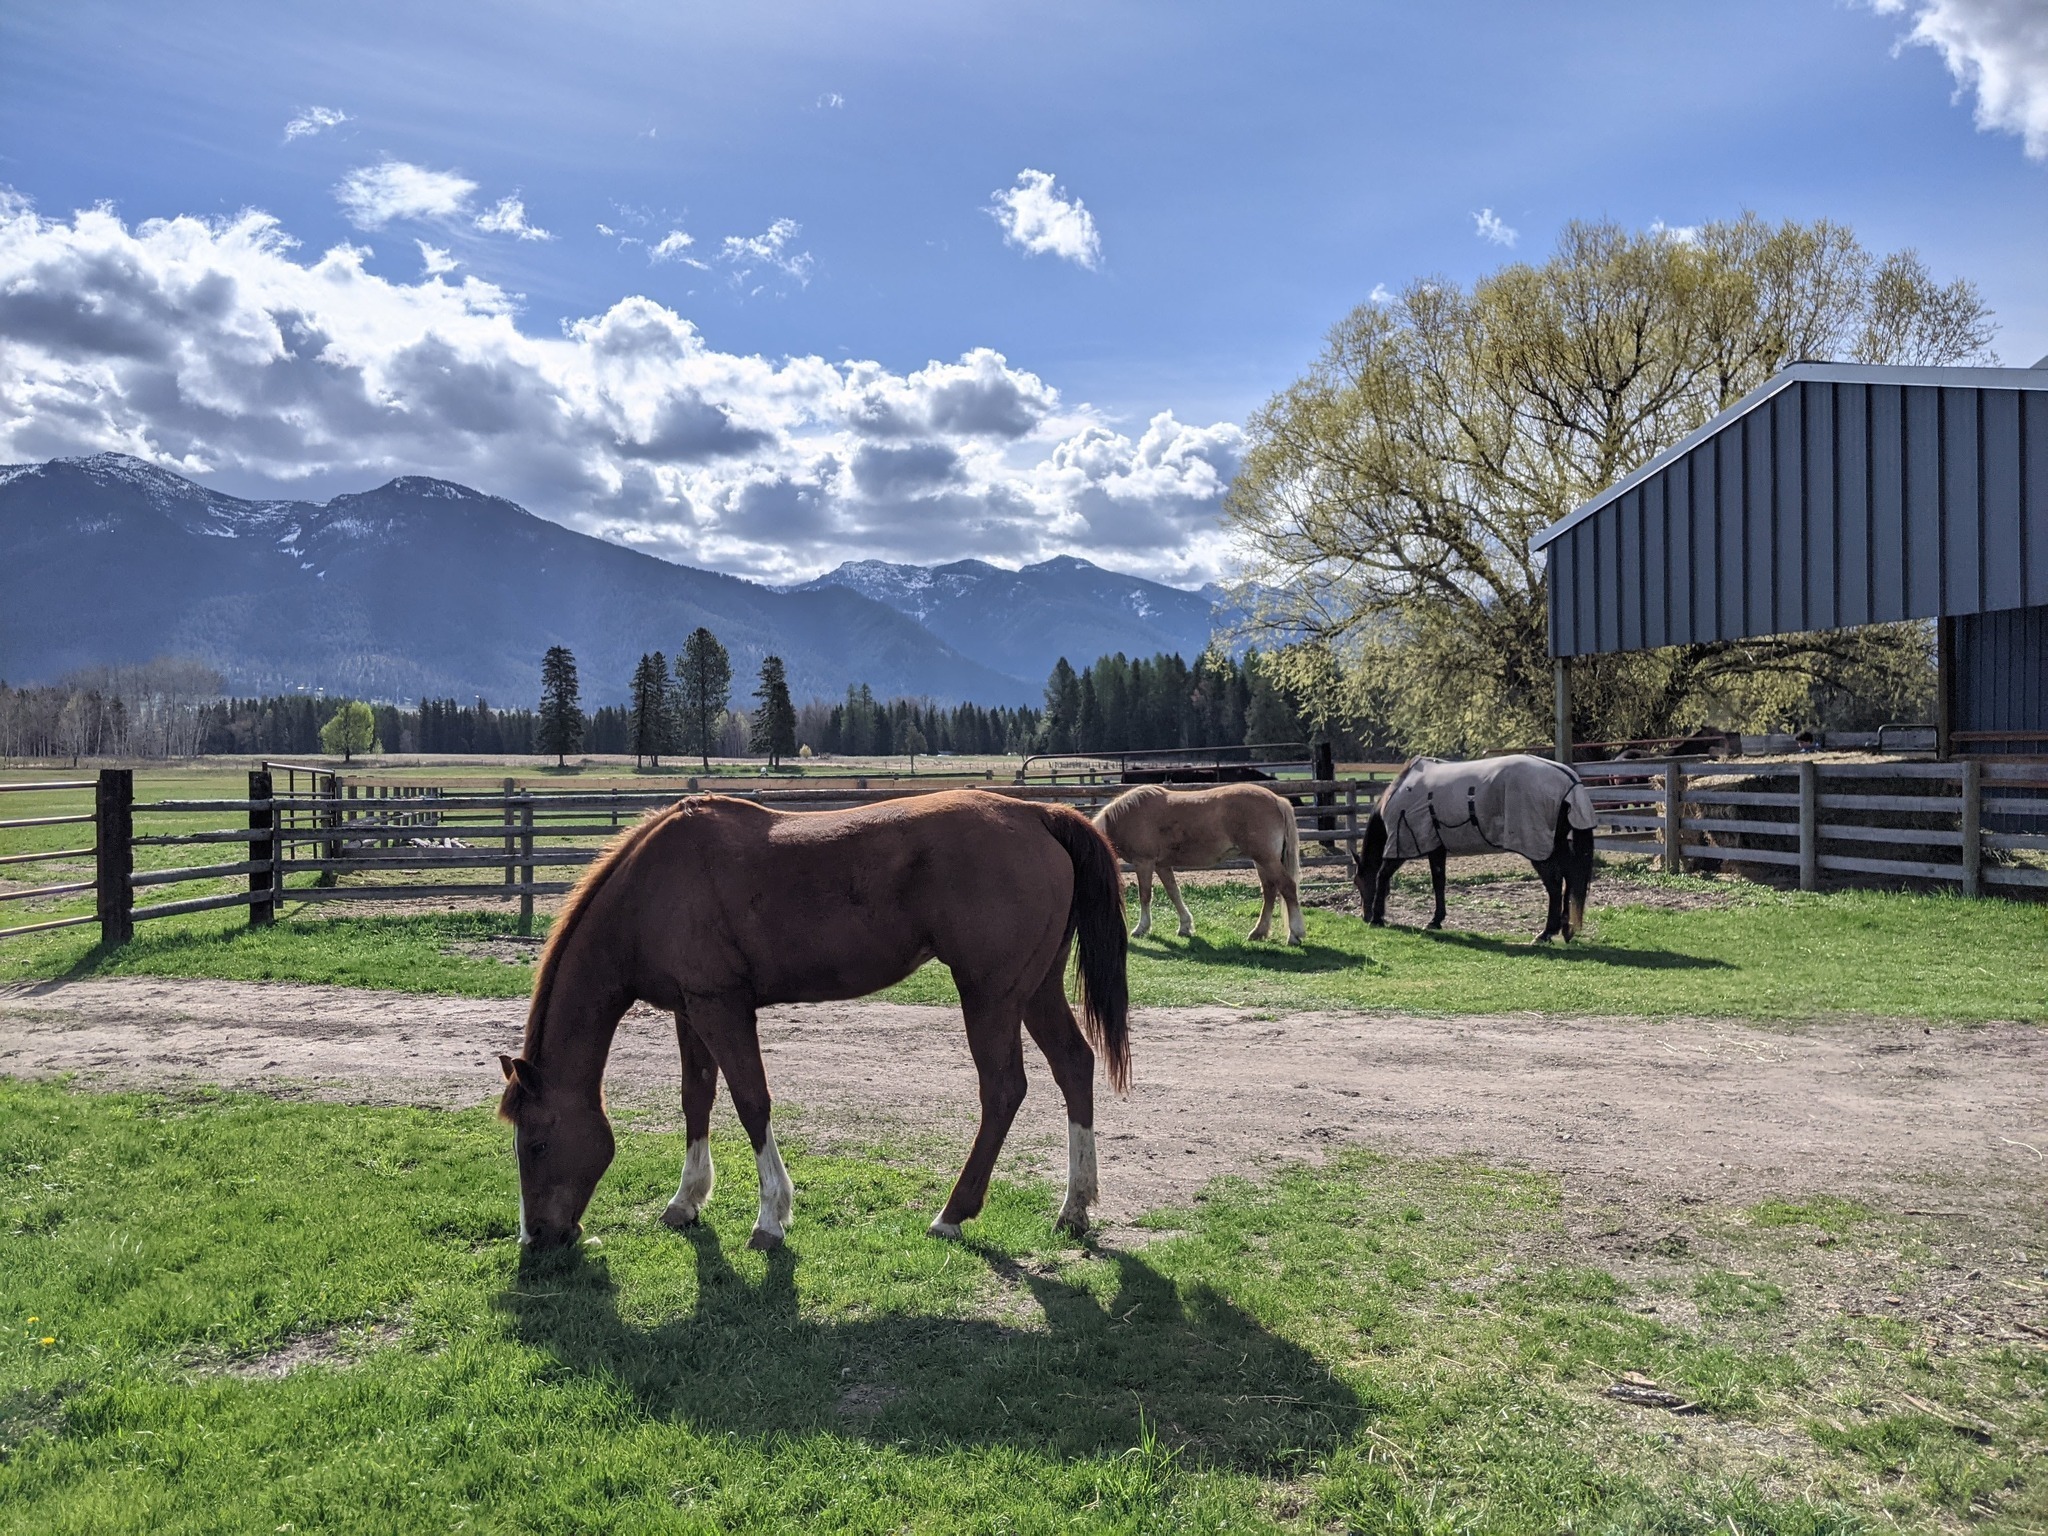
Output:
(1651, 1113)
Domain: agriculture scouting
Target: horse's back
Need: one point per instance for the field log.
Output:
(1503, 804)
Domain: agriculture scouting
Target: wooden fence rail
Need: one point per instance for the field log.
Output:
(1974, 819)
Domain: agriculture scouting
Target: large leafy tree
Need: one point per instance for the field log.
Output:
(772, 731)
(349, 730)
(703, 691)
(1387, 498)
(561, 705)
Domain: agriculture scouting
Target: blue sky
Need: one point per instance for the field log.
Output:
(1217, 184)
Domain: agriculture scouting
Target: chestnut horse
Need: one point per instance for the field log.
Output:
(1164, 830)
(715, 907)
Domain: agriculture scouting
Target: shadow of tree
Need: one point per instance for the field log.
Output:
(1069, 1376)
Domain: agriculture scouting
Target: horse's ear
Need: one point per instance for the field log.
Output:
(519, 1070)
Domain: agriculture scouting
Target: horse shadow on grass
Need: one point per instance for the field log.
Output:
(1578, 952)
(1302, 959)
(1070, 1376)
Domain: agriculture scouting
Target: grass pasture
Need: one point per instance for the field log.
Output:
(235, 1313)
(1760, 954)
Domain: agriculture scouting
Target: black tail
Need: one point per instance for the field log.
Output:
(1097, 918)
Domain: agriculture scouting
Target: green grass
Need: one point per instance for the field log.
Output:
(1766, 955)
(1386, 1345)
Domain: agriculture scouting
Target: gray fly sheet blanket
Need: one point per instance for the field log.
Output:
(1495, 805)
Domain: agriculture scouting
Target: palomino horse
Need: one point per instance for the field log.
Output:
(1164, 830)
(714, 907)
(1514, 804)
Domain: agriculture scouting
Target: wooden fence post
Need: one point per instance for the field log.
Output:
(1324, 768)
(1809, 826)
(526, 869)
(1351, 821)
(263, 883)
(1674, 817)
(328, 787)
(114, 855)
(511, 873)
(1973, 823)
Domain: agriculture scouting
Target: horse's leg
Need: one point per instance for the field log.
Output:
(728, 1031)
(1052, 1025)
(1388, 868)
(1187, 918)
(1144, 899)
(1290, 893)
(1553, 887)
(1267, 892)
(997, 1044)
(1437, 860)
(700, 1088)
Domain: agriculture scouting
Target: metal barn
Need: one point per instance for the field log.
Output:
(1832, 496)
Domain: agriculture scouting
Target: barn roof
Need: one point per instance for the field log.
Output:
(1835, 494)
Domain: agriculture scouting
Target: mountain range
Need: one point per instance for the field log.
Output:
(423, 587)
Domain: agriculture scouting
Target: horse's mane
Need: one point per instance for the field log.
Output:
(573, 907)
(1380, 805)
(1125, 803)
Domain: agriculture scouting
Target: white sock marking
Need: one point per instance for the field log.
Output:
(778, 1195)
(699, 1178)
(1081, 1179)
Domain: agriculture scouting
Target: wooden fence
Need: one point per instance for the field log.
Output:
(318, 838)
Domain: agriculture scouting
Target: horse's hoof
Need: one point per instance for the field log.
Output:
(1542, 938)
(1072, 1224)
(1376, 922)
(677, 1218)
(1187, 933)
(1435, 927)
(942, 1228)
(763, 1240)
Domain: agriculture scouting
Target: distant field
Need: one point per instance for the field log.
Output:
(229, 1313)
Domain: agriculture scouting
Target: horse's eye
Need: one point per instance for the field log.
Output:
(536, 1149)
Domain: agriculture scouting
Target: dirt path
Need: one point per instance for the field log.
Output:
(1656, 1110)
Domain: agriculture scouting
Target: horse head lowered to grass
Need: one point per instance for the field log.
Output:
(716, 907)
(1514, 804)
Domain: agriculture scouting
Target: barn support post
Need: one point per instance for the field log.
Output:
(1973, 827)
(1674, 817)
(263, 883)
(1944, 687)
(1561, 690)
(114, 854)
(526, 869)
(1809, 826)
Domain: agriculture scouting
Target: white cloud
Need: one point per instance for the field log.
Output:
(831, 101)
(1677, 234)
(373, 195)
(1381, 294)
(1997, 48)
(436, 260)
(313, 120)
(1490, 227)
(747, 254)
(672, 247)
(507, 216)
(1040, 217)
(221, 348)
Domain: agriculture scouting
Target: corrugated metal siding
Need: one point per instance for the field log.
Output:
(1829, 504)
(2001, 675)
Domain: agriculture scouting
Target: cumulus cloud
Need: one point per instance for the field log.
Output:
(772, 249)
(313, 120)
(1490, 227)
(1039, 217)
(223, 349)
(1996, 48)
(373, 195)
(507, 216)
(435, 260)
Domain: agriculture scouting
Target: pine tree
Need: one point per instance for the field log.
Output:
(703, 690)
(650, 709)
(1062, 707)
(561, 705)
(773, 729)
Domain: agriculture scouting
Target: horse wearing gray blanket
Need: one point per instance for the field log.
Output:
(1517, 804)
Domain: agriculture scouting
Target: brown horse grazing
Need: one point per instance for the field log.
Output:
(714, 907)
(1164, 830)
